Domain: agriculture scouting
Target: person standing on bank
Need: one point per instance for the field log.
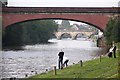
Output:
(60, 63)
(114, 51)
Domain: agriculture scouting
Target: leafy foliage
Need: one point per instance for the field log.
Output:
(65, 24)
(29, 33)
(112, 32)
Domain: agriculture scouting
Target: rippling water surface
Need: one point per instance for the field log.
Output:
(41, 57)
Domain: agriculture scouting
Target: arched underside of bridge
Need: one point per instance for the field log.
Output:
(97, 20)
(60, 37)
(73, 35)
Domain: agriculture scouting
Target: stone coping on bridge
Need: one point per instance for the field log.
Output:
(62, 9)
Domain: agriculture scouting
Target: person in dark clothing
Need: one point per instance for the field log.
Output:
(114, 51)
(60, 63)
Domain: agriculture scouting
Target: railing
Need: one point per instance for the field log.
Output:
(61, 9)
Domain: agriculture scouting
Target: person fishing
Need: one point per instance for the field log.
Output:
(60, 61)
(65, 61)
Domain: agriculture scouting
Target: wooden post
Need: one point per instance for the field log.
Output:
(26, 75)
(100, 58)
(81, 63)
(55, 70)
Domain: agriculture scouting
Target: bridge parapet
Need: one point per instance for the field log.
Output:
(61, 9)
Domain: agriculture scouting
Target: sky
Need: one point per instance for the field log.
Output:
(71, 22)
(63, 3)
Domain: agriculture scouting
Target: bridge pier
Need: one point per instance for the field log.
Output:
(73, 38)
(59, 38)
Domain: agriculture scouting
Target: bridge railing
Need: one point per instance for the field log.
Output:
(61, 9)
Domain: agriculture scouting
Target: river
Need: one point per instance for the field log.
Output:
(35, 59)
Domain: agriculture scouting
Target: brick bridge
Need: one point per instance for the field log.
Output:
(95, 16)
(73, 35)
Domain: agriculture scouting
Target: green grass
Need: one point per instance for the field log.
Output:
(118, 46)
(107, 68)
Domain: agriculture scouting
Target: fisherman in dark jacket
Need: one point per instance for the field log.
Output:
(114, 51)
(60, 64)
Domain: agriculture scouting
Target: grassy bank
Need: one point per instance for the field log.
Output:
(107, 68)
(118, 46)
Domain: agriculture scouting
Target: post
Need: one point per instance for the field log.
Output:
(81, 63)
(55, 70)
(26, 75)
(100, 58)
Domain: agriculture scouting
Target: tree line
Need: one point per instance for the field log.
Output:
(29, 33)
(112, 32)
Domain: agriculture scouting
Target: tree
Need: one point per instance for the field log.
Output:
(29, 33)
(65, 24)
(108, 31)
(112, 32)
(12, 36)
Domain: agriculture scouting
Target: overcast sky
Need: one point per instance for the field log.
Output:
(63, 3)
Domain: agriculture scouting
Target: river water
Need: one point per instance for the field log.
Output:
(41, 58)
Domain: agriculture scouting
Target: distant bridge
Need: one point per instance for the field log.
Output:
(73, 35)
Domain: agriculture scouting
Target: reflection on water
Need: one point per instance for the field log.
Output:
(37, 58)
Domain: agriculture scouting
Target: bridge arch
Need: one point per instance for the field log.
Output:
(69, 35)
(53, 36)
(59, 19)
(77, 35)
(96, 20)
(62, 34)
(72, 34)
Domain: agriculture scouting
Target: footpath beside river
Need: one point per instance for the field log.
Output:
(96, 68)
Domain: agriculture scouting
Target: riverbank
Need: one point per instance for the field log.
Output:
(36, 59)
(107, 68)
